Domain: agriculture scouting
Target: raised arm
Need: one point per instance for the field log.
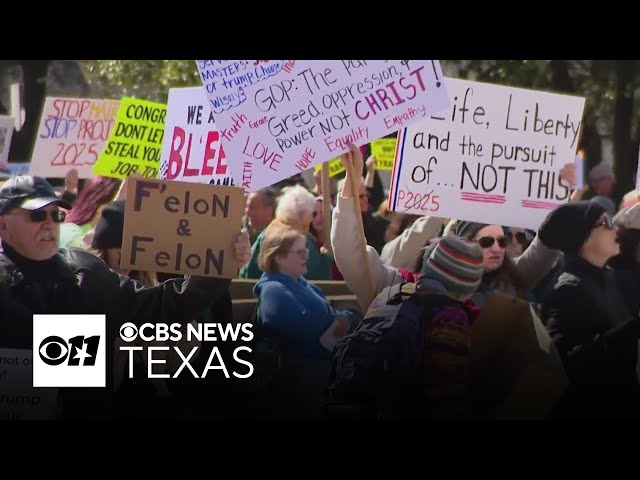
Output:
(347, 240)
(401, 252)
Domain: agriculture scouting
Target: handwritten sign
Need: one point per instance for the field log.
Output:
(19, 400)
(493, 157)
(184, 228)
(192, 150)
(71, 134)
(6, 132)
(384, 149)
(135, 141)
(281, 117)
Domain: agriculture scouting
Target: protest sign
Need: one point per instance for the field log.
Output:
(135, 141)
(493, 157)
(384, 149)
(71, 134)
(184, 228)
(281, 117)
(6, 132)
(335, 167)
(192, 150)
(19, 400)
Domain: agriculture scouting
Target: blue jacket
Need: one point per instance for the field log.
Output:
(297, 310)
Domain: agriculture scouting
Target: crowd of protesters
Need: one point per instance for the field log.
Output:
(580, 272)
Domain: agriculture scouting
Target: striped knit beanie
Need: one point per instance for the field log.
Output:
(457, 264)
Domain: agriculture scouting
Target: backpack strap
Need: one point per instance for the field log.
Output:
(400, 292)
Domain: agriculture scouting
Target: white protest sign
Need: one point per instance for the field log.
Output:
(19, 400)
(492, 157)
(281, 117)
(6, 132)
(192, 150)
(72, 134)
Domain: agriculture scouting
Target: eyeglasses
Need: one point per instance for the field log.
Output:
(520, 237)
(487, 242)
(304, 252)
(40, 216)
(607, 223)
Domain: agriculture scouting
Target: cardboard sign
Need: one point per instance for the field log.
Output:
(6, 132)
(192, 150)
(493, 157)
(135, 142)
(72, 134)
(19, 400)
(281, 117)
(184, 228)
(384, 149)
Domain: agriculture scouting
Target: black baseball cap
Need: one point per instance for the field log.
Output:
(29, 193)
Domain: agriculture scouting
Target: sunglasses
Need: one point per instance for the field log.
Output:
(520, 237)
(607, 223)
(487, 242)
(40, 216)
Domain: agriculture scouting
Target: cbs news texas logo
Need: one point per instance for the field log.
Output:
(69, 351)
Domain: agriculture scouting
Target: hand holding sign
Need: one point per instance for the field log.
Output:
(353, 163)
(243, 248)
(184, 228)
(569, 173)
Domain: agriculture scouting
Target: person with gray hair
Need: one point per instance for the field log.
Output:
(259, 211)
(295, 211)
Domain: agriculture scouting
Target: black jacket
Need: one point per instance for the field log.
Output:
(76, 281)
(627, 272)
(597, 339)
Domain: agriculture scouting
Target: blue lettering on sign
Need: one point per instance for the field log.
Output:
(226, 80)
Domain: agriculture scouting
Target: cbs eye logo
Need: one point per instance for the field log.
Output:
(77, 351)
(128, 332)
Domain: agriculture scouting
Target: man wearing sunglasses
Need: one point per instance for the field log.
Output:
(39, 278)
(586, 316)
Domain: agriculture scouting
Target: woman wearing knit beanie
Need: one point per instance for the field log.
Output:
(452, 267)
(586, 316)
(514, 278)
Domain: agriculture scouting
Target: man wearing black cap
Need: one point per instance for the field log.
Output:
(42, 280)
(586, 316)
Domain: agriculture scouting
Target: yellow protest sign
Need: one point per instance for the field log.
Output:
(135, 142)
(384, 149)
(335, 167)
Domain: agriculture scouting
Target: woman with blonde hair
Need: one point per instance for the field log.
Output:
(294, 211)
(297, 311)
